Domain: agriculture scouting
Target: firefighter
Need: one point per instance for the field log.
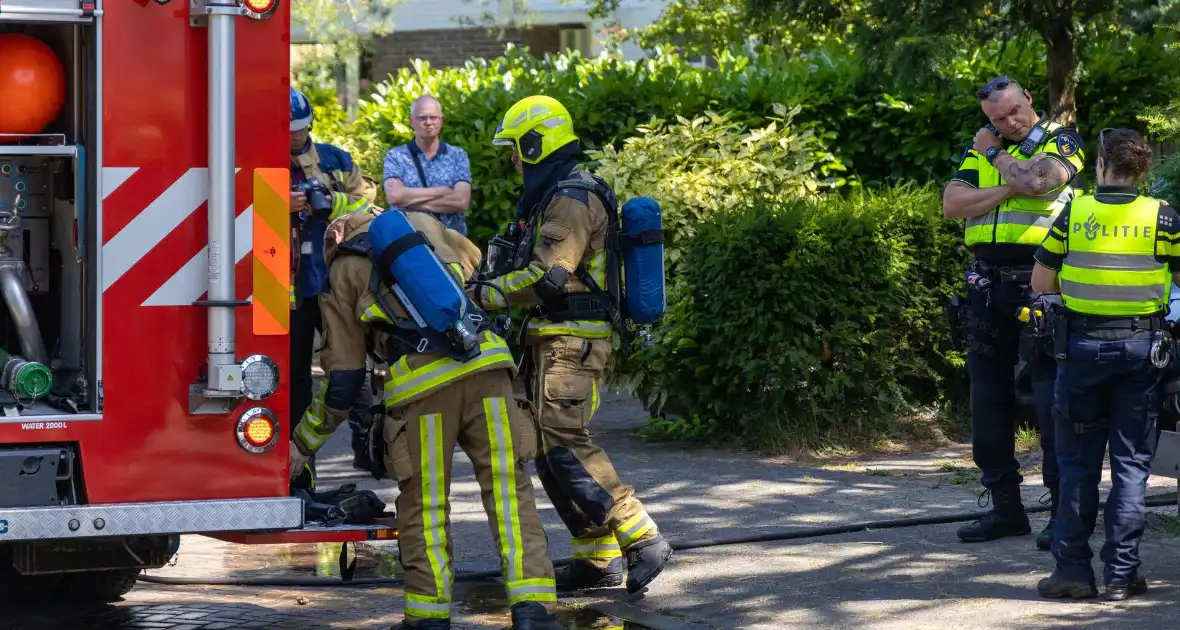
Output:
(1113, 256)
(347, 190)
(432, 403)
(568, 350)
(1012, 181)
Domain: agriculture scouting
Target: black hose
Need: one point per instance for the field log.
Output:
(814, 532)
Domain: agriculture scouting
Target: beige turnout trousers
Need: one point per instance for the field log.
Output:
(602, 513)
(479, 413)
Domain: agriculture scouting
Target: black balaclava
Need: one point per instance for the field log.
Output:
(539, 178)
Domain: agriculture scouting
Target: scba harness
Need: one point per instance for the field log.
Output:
(635, 290)
(458, 340)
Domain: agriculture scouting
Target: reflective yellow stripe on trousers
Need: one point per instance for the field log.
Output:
(407, 384)
(503, 462)
(434, 506)
(308, 430)
(605, 548)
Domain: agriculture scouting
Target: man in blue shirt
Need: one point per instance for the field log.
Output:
(429, 175)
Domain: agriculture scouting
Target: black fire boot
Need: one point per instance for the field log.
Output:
(580, 575)
(360, 450)
(1057, 587)
(533, 616)
(645, 560)
(359, 424)
(1045, 538)
(1138, 586)
(424, 624)
(1007, 517)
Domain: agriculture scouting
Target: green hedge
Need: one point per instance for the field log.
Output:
(882, 129)
(795, 317)
(809, 322)
(695, 168)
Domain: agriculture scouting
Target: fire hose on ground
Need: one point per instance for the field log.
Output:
(1162, 500)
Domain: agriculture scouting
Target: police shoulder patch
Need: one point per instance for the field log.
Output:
(1067, 145)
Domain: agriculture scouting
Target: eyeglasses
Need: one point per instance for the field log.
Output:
(996, 84)
(1102, 141)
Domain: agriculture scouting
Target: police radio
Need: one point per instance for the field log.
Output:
(1034, 138)
(1029, 146)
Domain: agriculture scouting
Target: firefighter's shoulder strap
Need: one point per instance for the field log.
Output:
(579, 188)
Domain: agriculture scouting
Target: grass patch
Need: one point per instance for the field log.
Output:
(960, 475)
(1027, 440)
(877, 472)
(1169, 524)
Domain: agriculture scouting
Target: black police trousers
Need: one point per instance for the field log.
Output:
(993, 342)
(1108, 392)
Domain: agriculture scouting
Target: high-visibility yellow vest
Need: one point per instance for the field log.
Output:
(1019, 220)
(1110, 267)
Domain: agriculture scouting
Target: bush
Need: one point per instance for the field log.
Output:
(882, 129)
(1165, 182)
(748, 347)
(697, 167)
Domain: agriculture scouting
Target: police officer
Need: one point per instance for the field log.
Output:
(1113, 256)
(349, 191)
(433, 402)
(1012, 180)
(569, 343)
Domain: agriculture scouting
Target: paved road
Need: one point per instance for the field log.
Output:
(919, 577)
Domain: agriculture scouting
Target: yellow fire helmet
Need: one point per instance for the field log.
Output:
(537, 126)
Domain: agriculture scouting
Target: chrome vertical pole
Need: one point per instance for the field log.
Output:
(221, 194)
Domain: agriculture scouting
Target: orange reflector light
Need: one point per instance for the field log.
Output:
(257, 430)
(259, 9)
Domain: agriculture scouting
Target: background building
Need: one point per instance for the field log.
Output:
(448, 32)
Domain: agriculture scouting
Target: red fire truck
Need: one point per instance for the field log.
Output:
(144, 267)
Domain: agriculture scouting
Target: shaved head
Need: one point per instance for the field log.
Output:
(1011, 111)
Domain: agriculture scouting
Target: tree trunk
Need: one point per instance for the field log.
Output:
(1059, 43)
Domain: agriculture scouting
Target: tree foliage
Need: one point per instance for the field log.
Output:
(344, 23)
(709, 27)
(1163, 121)
(909, 31)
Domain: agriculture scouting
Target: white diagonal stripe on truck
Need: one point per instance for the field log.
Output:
(115, 176)
(187, 285)
(154, 224)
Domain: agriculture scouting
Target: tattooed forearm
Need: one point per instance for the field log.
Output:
(1037, 176)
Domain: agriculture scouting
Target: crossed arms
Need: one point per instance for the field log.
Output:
(442, 199)
(1022, 178)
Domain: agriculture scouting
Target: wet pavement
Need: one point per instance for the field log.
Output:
(478, 604)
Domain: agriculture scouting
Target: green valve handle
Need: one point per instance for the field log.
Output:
(25, 379)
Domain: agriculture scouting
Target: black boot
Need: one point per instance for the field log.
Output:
(360, 444)
(645, 560)
(1057, 587)
(424, 624)
(1007, 517)
(1138, 586)
(360, 452)
(580, 575)
(533, 616)
(1045, 538)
